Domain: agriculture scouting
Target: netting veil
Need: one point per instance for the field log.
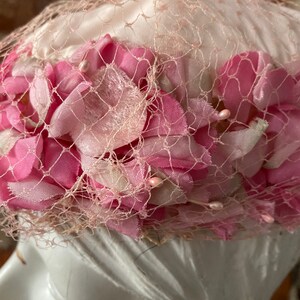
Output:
(153, 118)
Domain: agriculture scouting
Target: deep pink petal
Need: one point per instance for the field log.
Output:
(237, 78)
(15, 85)
(19, 162)
(274, 87)
(67, 78)
(136, 63)
(97, 54)
(62, 164)
(175, 72)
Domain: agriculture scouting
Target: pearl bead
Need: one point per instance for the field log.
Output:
(224, 114)
(267, 218)
(155, 182)
(215, 205)
(84, 66)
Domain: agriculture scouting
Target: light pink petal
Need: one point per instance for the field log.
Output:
(106, 173)
(200, 113)
(13, 115)
(194, 215)
(62, 164)
(69, 113)
(176, 74)
(225, 230)
(221, 179)
(40, 95)
(19, 162)
(14, 85)
(287, 207)
(237, 78)
(114, 116)
(67, 78)
(179, 152)
(274, 87)
(97, 54)
(135, 171)
(130, 226)
(166, 117)
(33, 193)
(136, 63)
(135, 201)
(252, 162)
(285, 128)
(288, 170)
(167, 194)
(9, 61)
(181, 178)
(236, 144)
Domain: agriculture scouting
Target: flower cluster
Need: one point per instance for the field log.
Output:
(97, 132)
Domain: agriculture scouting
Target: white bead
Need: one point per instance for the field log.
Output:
(155, 182)
(84, 66)
(224, 114)
(215, 205)
(267, 218)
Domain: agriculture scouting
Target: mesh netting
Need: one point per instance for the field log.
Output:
(154, 118)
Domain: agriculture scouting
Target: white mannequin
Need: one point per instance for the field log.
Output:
(107, 265)
(117, 267)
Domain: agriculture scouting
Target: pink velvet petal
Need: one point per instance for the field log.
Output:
(97, 54)
(67, 78)
(166, 117)
(237, 78)
(62, 164)
(274, 87)
(14, 85)
(136, 63)
(114, 115)
(19, 162)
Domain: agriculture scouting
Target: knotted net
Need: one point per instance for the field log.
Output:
(154, 118)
